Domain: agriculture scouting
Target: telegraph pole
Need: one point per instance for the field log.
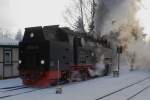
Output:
(118, 63)
(119, 51)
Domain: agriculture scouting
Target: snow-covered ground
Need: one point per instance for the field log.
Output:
(86, 90)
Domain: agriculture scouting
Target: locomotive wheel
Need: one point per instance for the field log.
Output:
(79, 76)
(84, 76)
(75, 76)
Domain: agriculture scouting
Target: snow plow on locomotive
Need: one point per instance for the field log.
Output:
(48, 54)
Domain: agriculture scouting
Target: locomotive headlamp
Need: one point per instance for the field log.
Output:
(92, 54)
(32, 35)
(42, 62)
(20, 61)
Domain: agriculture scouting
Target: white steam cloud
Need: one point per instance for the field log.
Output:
(121, 17)
(111, 15)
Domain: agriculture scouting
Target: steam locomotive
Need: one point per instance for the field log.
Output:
(50, 54)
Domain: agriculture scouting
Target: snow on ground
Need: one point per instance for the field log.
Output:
(10, 82)
(145, 95)
(87, 90)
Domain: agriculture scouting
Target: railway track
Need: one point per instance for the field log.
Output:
(6, 92)
(123, 90)
(11, 91)
(15, 94)
(10, 87)
(139, 92)
(16, 91)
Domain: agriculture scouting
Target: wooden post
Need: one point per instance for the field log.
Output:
(58, 69)
(59, 88)
(119, 51)
(118, 64)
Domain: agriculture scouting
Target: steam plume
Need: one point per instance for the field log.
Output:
(119, 18)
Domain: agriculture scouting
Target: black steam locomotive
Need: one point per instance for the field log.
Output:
(50, 54)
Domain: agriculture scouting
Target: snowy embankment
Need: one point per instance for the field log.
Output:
(87, 90)
(10, 82)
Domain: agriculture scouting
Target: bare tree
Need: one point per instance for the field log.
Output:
(84, 14)
(80, 15)
(93, 10)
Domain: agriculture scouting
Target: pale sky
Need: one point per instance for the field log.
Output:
(144, 15)
(25, 13)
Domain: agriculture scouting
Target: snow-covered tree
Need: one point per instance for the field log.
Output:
(19, 35)
(5, 33)
(1, 32)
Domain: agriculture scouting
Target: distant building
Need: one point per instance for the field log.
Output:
(8, 58)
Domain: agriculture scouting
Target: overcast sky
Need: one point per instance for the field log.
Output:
(5, 17)
(24, 13)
